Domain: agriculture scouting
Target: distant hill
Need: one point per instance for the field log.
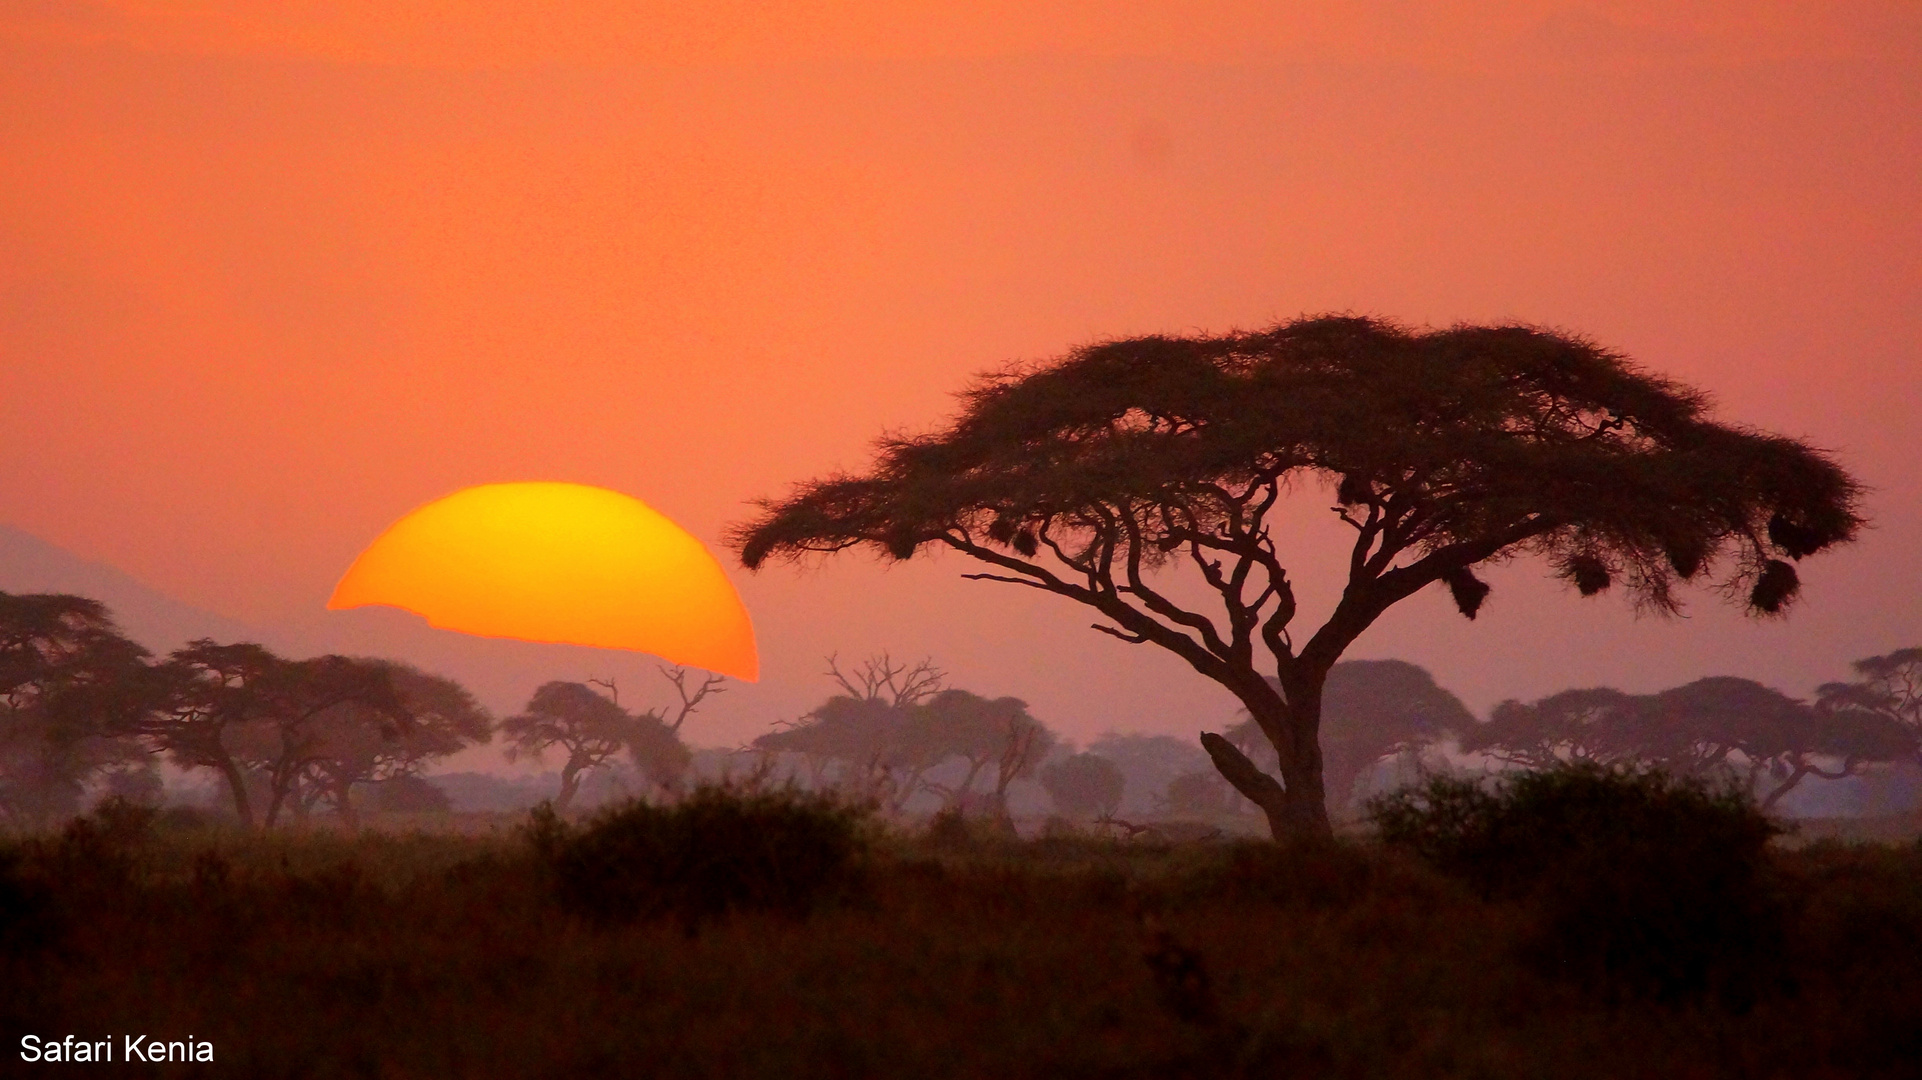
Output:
(29, 564)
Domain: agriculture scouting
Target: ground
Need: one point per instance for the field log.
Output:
(446, 954)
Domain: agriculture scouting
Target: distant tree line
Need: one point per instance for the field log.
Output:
(87, 712)
(1723, 728)
(1719, 729)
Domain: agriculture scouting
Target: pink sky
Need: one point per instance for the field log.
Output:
(272, 275)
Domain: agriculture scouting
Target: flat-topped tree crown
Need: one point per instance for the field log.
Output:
(1445, 449)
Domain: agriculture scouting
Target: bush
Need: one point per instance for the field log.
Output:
(719, 850)
(1644, 883)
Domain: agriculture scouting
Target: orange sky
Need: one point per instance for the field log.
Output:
(272, 275)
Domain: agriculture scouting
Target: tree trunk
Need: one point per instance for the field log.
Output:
(276, 798)
(966, 785)
(237, 786)
(1296, 806)
(342, 798)
(570, 784)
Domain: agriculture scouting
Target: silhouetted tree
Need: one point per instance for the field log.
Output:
(71, 686)
(1084, 785)
(1716, 726)
(1371, 709)
(883, 678)
(237, 707)
(862, 737)
(1026, 743)
(980, 731)
(358, 743)
(893, 723)
(593, 729)
(1888, 687)
(691, 698)
(874, 730)
(1445, 450)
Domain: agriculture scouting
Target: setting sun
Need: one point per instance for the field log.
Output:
(557, 562)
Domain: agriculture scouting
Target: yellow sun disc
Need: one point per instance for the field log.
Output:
(563, 563)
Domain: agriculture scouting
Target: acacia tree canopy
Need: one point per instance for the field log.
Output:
(239, 706)
(1888, 689)
(1446, 449)
(359, 742)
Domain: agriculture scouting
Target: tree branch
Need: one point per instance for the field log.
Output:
(1259, 788)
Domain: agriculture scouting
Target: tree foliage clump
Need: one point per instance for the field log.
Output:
(1647, 883)
(355, 745)
(1093, 476)
(1084, 785)
(893, 723)
(716, 851)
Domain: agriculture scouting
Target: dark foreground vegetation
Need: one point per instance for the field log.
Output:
(1592, 924)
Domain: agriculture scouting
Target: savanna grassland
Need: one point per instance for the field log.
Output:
(811, 941)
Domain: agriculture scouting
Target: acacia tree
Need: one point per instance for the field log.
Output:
(980, 731)
(894, 722)
(1887, 687)
(874, 730)
(237, 707)
(592, 729)
(70, 686)
(357, 743)
(1446, 450)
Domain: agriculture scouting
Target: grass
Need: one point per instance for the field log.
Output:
(444, 955)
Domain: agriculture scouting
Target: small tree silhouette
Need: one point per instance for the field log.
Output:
(592, 729)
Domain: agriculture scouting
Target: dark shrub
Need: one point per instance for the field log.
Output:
(179, 818)
(1645, 883)
(718, 850)
(98, 852)
(26, 911)
(949, 829)
(121, 823)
